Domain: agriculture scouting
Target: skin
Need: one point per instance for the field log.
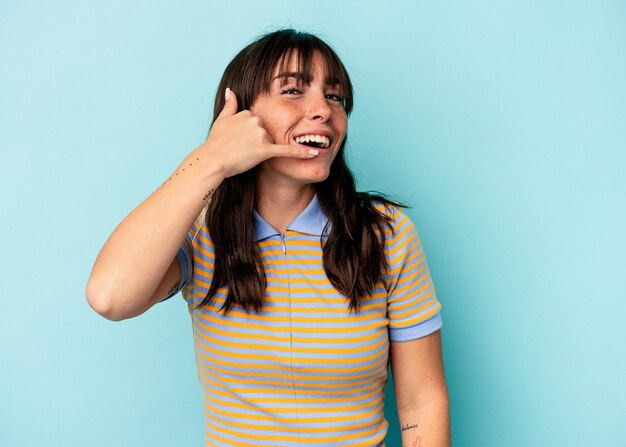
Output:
(421, 392)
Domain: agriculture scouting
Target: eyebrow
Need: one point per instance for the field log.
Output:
(302, 77)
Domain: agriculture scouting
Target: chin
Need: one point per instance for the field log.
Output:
(308, 179)
(301, 171)
(313, 174)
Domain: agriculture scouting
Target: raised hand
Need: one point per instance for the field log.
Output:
(239, 142)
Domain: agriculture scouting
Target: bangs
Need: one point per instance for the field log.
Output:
(334, 72)
(252, 70)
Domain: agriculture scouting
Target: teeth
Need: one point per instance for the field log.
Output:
(315, 138)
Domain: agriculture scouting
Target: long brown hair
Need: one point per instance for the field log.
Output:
(353, 250)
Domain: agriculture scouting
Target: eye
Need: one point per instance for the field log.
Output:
(291, 91)
(335, 97)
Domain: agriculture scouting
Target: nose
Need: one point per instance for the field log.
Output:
(318, 107)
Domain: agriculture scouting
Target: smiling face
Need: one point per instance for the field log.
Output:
(304, 111)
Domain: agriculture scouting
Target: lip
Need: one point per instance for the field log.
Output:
(321, 151)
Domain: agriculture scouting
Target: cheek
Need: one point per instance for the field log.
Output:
(277, 127)
(341, 120)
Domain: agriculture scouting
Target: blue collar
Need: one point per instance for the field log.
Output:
(311, 220)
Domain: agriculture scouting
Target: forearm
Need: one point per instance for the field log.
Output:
(136, 256)
(133, 262)
(427, 425)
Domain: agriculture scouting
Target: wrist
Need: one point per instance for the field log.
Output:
(207, 168)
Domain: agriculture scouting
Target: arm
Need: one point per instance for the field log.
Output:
(137, 267)
(421, 392)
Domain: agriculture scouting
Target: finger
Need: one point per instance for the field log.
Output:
(230, 106)
(289, 150)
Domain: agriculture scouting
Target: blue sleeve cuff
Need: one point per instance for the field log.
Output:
(183, 260)
(418, 330)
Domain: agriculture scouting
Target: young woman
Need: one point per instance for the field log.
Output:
(300, 289)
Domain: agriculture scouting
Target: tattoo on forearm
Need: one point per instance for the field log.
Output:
(208, 194)
(174, 288)
(176, 173)
(416, 443)
(418, 439)
(408, 427)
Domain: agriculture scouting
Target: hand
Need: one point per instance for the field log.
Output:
(239, 142)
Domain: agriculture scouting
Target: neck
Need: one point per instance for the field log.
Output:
(279, 204)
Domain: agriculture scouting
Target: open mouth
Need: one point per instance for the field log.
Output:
(315, 141)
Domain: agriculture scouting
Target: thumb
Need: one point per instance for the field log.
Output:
(230, 107)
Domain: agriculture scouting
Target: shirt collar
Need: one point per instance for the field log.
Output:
(311, 220)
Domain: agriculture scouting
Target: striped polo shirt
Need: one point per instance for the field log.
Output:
(304, 371)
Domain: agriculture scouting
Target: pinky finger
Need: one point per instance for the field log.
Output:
(287, 150)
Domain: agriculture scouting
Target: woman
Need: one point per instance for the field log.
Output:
(300, 289)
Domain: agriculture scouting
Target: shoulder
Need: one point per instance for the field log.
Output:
(396, 217)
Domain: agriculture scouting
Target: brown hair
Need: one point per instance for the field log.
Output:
(353, 250)
(250, 72)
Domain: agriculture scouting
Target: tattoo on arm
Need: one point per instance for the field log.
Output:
(418, 439)
(175, 174)
(416, 443)
(208, 194)
(173, 289)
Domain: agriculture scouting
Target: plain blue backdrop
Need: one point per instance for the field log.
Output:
(501, 122)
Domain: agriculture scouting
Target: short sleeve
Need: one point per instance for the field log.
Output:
(184, 255)
(412, 306)
(202, 261)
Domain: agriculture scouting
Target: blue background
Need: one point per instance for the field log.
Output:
(502, 123)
